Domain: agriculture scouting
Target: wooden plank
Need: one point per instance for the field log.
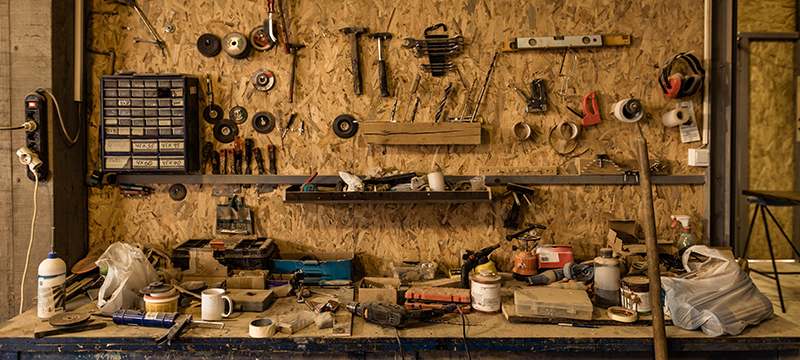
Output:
(343, 320)
(7, 278)
(389, 133)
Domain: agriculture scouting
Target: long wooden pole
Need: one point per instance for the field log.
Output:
(653, 271)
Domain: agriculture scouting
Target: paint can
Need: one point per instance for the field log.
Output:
(635, 294)
(485, 291)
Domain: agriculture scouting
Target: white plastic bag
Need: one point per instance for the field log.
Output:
(715, 295)
(128, 272)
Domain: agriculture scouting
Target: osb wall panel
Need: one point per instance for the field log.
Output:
(766, 15)
(771, 144)
(381, 233)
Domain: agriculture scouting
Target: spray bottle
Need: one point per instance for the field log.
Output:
(52, 278)
(686, 239)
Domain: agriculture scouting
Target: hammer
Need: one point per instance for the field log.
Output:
(353, 31)
(381, 63)
(293, 49)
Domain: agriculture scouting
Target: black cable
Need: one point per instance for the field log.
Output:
(399, 344)
(13, 128)
(464, 332)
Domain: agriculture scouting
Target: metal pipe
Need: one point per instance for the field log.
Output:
(653, 270)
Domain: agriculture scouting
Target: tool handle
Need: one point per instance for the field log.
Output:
(415, 84)
(259, 160)
(271, 153)
(291, 77)
(355, 64)
(248, 155)
(382, 74)
(271, 6)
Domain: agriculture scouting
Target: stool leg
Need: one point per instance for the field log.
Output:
(783, 232)
(772, 255)
(750, 232)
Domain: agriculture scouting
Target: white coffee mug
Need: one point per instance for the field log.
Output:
(213, 304)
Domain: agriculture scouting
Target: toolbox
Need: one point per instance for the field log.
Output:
(246, 254)
(317, 266)
(150, 124)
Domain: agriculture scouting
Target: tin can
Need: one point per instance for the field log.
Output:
(635, 294)
(485, 291)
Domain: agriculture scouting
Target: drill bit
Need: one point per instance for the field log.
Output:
(414, 113)
(447, 91)
(483, 90)
(393, 109)
(414, 86)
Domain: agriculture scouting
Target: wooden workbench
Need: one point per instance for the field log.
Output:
(492, 333)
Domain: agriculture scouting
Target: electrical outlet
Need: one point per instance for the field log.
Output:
(36, 140)
(698, 157)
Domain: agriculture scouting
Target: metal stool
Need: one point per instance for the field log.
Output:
(761, 204)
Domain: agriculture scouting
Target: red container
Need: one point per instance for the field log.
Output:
(553, 256)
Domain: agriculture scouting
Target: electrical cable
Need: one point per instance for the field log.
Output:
(61, 119)
(30, 243)
(13, 128)
(400, 345)
(464, 332)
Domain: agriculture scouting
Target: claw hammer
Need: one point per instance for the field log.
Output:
(354, 31)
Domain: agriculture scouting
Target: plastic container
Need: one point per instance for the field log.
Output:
(606, 279)
(686, 239)
(243, 254)
(425, 270)
(317, 266)
(551, 256)
(547, 302)
(52, 289)
(166, 304)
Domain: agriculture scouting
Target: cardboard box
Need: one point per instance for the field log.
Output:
(248, 279)
(375, 288)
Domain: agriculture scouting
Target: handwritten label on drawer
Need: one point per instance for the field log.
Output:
(118, 145)
(145, 162)
(171, 162)
(145, 146)
(170, 146)
(118, 162)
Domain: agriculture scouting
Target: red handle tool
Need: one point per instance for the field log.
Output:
(592, 117)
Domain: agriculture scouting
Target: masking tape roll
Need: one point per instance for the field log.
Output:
(675, 117)
(560, 130)
(619, 112)
(522, 131)
(622, 314)
(262, 328)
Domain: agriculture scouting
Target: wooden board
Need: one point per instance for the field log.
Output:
(599, 317)
(421, 133)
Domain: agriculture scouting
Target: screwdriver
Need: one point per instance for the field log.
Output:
(288, 125)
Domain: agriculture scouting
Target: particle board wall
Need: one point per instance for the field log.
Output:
(381, 233)
(772, 116)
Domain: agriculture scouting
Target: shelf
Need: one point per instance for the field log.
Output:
(493, 180)
(366, 197)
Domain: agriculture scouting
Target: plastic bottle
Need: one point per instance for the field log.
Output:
(52, 290)
(606, 279)
(686, 239)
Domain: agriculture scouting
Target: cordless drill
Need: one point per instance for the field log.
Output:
(384, 313)
(473, 260)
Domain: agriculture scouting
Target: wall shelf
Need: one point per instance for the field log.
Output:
(361, 197)
(492, 180)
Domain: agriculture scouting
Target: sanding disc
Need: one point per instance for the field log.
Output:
(67, 319)
(263, 122)
(212, 114)
(208, 45)
(238, 114)
(345, 126)
(225, 131)
(260, 39)
(236, 45)
(177, 192)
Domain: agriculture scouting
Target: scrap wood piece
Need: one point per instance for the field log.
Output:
(343, 321)
(438, 294)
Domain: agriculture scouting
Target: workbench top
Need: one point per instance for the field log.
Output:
(491, 332)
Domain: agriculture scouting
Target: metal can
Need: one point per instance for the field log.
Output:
(485, 291)
(635, 294)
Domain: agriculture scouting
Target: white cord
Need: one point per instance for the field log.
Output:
(61, 120)
(30, 243)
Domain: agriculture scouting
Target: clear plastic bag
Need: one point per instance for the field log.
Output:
(128, 272)
(716, 295)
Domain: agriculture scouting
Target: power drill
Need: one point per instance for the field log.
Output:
(473, 260)
(384, 313)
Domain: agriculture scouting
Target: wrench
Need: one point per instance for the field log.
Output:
(411, 42)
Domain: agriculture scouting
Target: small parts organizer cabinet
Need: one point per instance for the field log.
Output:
(150, 124)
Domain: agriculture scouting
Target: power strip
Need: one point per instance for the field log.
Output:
(36, 140)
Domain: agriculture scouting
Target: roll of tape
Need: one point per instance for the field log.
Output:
(621, 314)
(675, 117)
(619, 111)
(573, 130)
(262, 328)
(522, 131)
(436, 181)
